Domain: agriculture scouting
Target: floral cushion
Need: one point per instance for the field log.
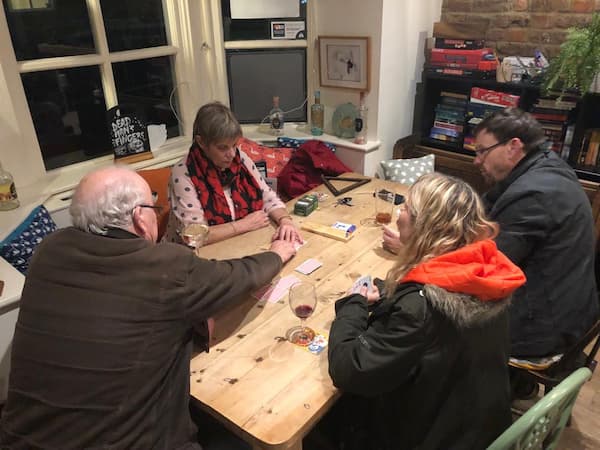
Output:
(18, 247)
(406, 171)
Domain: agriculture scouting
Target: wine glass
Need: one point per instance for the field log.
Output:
(303, 301)
(194, 235)
(384, 206)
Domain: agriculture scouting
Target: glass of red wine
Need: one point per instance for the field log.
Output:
(303, 301)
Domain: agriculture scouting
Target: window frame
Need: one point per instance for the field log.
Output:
(196, 44)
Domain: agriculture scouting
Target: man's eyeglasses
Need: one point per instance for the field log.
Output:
(483, 152)
(157, 208)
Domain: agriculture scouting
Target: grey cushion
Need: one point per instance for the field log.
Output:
(406, 171)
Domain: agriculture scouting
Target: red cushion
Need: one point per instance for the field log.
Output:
(275, 157)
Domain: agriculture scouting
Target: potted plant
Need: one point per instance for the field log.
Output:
(578, 62)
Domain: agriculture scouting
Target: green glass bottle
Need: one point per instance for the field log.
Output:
(317, 111)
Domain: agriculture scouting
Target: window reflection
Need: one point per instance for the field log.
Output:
(69, 114)
(133, 24)
(60, 29)
(147, 84)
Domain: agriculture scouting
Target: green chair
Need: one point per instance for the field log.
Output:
(542, 425)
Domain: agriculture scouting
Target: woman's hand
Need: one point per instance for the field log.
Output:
(373, 295)
(287, 231)
(253, 221)
(391, 240)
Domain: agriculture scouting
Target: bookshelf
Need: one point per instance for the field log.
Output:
(439, 127)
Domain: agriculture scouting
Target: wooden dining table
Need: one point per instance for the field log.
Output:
(262, 387)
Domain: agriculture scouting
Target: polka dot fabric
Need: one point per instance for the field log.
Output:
(19, 246)
(406, 171)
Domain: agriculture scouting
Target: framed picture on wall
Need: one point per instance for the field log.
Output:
(344, 62)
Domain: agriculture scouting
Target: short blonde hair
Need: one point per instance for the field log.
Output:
(215, 122)
(447, 214)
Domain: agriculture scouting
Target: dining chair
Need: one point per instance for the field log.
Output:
(550, 371)
(158, 180)
(541, 426)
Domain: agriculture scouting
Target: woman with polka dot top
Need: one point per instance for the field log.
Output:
(218, 184)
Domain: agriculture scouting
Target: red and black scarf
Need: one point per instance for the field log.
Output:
(210, 180)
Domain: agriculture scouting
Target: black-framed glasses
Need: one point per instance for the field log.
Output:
(483, 152)
(157, 208)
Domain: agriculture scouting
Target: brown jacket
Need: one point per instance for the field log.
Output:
(102, 345)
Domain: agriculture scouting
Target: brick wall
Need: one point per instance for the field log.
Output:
(517, 27)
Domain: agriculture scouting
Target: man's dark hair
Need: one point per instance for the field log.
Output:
(513, 123)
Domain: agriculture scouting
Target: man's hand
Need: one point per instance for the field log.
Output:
(253, 221)
(391, 240)
(284, 249)
(287, 231)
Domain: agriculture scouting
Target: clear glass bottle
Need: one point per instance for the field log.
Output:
(8, 193)
(317, 111)
(360, 123)
(276, 118)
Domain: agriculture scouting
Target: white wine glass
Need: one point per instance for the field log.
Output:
(195, 234)
(303, 301)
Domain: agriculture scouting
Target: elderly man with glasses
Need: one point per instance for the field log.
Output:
(103, 341)
(546, 228)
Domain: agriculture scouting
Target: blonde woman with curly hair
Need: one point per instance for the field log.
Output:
(428, 368)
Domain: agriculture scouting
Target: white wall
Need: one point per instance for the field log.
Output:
(406, 25)
(398, 29)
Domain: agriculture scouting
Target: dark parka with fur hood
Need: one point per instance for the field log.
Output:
(428, 368)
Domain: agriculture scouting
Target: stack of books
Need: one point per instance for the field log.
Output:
(553, 114)
(482, 103)
(449, 121)
(589, 153)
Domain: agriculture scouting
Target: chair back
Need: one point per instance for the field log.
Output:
(158, 180)
(572, 356)
(541, 426)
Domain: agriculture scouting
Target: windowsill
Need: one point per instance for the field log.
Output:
(54, 190)
(262, 133)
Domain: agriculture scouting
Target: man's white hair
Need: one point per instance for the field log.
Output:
(110, 207)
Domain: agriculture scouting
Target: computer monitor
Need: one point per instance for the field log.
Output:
(256, 76)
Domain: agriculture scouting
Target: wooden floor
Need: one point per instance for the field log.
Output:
(584, 432)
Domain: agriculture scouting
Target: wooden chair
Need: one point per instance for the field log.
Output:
(552, 371)
(542, 425)
(158, 180)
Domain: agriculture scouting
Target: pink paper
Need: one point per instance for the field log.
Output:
(272, 293)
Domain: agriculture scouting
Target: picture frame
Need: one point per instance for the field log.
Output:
(344, 62)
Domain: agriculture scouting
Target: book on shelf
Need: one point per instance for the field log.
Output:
(549, 117)
(489, 96)
(458, 95)
(466, 44)
(552, 103)
(455, 126)
(590, 148)
(449, 117)
(568, 141)
(482, 103)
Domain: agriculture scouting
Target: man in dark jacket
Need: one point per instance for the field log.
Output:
(103, 341)
(546, 228)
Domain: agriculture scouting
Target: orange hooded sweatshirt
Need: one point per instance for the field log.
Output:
(477, 269)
